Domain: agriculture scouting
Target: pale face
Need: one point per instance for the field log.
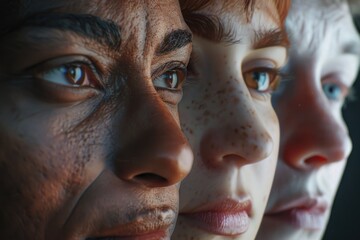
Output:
(314, 143)
(227, 116)
(90, 142)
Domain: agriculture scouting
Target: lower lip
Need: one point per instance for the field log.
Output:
(221, 223)
(309, 219)
(151, 236)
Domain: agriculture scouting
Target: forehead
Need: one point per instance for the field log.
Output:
(130, 15)
(317, 26)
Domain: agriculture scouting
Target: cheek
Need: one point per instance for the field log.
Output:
(329, 177)
(43, 161)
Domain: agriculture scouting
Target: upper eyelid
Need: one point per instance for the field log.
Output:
(167, 67)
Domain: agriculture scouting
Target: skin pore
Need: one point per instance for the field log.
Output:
(90, 143)
(314, 146)
(227, 116)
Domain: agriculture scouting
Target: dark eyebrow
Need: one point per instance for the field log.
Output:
(210, 27)
(270, 38)
(174, 40)
(92, 27)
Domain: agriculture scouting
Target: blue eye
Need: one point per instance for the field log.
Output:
(332, 91)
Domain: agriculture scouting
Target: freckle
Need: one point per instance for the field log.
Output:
(231, 113)
(191, 131)
(209, 84)
(236, 130)
(232, 144)
(206, 113)
(255, 147)
(243, 128)
(212, 146)
(187, 107)
(192, 101)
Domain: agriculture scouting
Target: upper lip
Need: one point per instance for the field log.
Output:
(225, 205)
(139, 223)
(317, 204)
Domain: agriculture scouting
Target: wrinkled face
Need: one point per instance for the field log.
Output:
(227, 116)
(90, 145)
(314, 140)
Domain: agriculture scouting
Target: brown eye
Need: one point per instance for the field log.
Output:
(172, 79)
(262, 80)
(75, 75)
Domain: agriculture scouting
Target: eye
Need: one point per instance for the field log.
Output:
(332, 91)
(262, 80)
(73, 74)
(171, 80)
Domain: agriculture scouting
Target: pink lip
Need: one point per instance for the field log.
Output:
(150, 236)
(227, 218)
(304, 213)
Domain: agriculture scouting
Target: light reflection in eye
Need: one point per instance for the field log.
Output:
(75, 75)
(172, 79)
(262, 80)
(332, 91)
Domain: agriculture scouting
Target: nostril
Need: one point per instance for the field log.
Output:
(151, 180)
(234, 159)
(316, 161)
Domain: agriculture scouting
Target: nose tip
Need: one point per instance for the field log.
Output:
(222, 148)
(165, 170)
(158, 154)
(313, 148)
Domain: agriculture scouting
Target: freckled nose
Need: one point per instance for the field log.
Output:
(222, 146)
(239, 136)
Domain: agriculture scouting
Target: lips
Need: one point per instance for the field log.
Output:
(227, 217)
(148, 224)
(304, 213)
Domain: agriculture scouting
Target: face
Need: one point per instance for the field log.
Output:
(226, 114)
(91, 146)
(314, 140)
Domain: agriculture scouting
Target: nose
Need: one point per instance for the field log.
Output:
(155, 153)
(239, 135)
(313, 132)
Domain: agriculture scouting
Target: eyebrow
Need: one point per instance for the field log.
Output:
(212, 28)
(174, 40)
(270, 38)
(92, 27)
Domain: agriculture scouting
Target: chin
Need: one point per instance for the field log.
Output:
(277, 230)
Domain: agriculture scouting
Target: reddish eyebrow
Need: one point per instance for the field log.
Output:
(213, 29)
(270, 38)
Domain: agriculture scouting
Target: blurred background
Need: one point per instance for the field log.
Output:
(344, 222)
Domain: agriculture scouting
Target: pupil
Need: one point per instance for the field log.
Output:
(75, 74)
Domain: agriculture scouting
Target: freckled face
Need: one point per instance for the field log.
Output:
(227, 116)
(90, 145)
(314, 143)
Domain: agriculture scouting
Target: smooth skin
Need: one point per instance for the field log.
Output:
(314, 146)
(227, 116)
